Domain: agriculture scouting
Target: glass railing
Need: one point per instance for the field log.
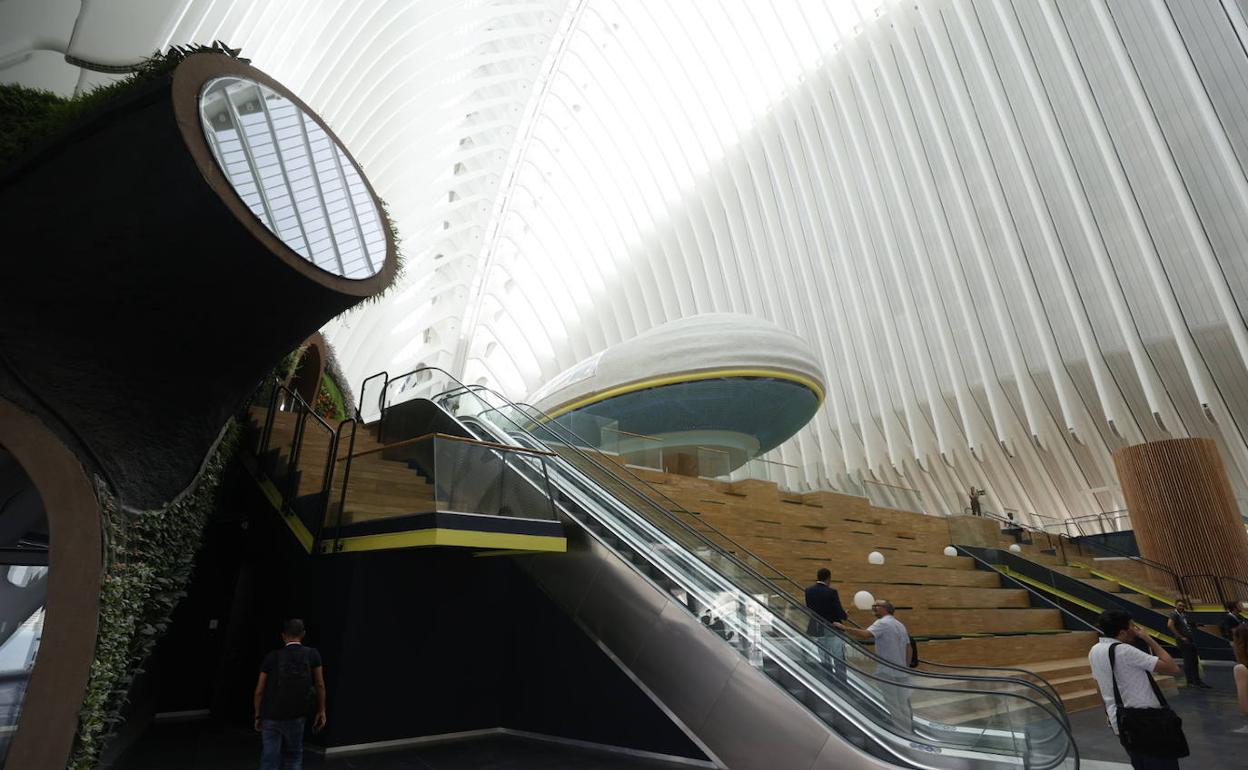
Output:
(916, 718)
(892, 496)
(437, 473)
(1090, 524)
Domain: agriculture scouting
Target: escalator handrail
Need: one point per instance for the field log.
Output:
(1053, 700)
(548, 421)
(817, 687)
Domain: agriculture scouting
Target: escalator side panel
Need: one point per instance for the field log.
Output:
(623, 620)
(739, 716)
(744, 727)
(567, 580)
(687, 666)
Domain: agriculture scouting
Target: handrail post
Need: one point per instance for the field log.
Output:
(296, 449)
(327, 485)
(550, 496)
(502, 482)
(346, 478)
(267, 431)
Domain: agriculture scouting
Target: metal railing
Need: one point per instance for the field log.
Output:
(286, 472)
(1199, 587)
(1106, 522)
(727, 548)
(1207, 586)
(794, 609)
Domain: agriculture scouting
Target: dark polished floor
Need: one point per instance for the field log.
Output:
(1209, 717)
(203, 746)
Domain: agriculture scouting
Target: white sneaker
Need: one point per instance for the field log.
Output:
(1241, 731)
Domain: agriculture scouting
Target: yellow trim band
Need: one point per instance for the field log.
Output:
(497, 542)
(1072, 599)
(274, 497)
(1141, 590)
(714, 374)
(461, 538)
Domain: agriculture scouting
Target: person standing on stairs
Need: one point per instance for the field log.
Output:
(825, 602)
(1181, 628)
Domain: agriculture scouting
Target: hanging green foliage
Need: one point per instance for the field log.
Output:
(149, 557)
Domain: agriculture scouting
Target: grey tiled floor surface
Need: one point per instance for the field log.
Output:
(1209, 717)
(201, 746)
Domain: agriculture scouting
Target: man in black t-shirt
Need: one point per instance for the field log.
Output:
(291, 686)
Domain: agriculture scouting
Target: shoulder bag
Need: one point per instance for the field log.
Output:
(1157, 732)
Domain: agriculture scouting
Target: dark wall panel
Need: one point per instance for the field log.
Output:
(418, 642)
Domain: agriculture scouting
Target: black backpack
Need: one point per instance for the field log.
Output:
(291, 693)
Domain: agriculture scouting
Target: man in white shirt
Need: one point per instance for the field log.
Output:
(892, 643)
(1132, 667)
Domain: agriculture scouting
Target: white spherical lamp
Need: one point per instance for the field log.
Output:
(1016, 548)
(863, 600)
(875, 557)
(951, 551)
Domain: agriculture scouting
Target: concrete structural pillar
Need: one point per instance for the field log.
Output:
(1184, 513)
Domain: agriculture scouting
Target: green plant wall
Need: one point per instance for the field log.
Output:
(149, 556)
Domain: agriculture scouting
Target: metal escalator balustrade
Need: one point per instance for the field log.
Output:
(620, 479)
(777, 582)
(912, 718)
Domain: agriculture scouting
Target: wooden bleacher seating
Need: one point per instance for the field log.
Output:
(975, 620)
(970, 617)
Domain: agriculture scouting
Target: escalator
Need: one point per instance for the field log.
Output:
(708, 633)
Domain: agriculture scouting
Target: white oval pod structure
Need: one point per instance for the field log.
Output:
(697, 396)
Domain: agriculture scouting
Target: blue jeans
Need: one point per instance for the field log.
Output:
(281, 742)
(832, 655)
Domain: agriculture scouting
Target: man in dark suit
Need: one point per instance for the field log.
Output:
(825, 604)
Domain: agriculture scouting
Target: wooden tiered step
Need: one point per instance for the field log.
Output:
(936, 595)
(378, 488)
(1080, 572)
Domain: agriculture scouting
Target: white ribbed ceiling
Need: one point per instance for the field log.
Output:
(1013, 230)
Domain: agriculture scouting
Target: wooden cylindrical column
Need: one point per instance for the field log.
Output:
(1184, 511)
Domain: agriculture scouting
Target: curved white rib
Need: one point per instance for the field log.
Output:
(1013, 231)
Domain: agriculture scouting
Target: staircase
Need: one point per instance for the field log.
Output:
(961, 615)
(380, 488)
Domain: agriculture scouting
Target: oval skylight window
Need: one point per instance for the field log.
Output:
(293, 176)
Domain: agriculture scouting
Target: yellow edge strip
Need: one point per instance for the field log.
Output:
(1073, 599)
(1141, 590)
(296, 526)
(1125, 583)
(713, 374)
(451, 537)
